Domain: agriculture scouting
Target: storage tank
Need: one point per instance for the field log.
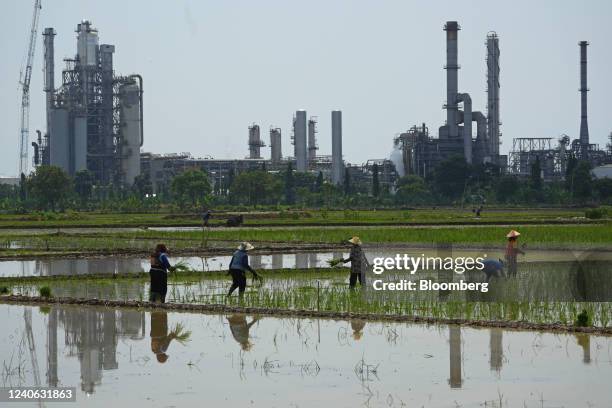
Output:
(130, 133)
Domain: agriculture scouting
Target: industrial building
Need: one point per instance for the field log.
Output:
(553, 157)
(94, 118)
(421, 152)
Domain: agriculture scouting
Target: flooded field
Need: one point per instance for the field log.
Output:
(308, 259)
(179, 359)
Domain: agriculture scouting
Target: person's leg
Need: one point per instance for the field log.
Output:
(242, 285)
(235, 281)
(362, 279)
(352, 280)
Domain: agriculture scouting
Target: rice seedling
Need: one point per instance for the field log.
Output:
(44, 292)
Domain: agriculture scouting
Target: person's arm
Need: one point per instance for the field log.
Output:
(165, 262)
(245, 264)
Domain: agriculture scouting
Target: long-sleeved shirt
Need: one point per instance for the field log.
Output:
(161, 262)
(357, 259)
(240, 261)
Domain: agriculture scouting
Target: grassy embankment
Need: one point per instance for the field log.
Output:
(296, 217)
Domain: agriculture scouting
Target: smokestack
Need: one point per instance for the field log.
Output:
(452, 86)
(299, 140)
(467, 126)
(584, 127)
(493, 95)
(276, 152)
(337, 164)
(49, 37)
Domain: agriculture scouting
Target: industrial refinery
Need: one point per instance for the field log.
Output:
(95, 122)
(94, 118)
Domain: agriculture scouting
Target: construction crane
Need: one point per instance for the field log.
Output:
(24, 81)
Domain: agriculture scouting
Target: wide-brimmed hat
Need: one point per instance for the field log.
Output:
(513, 234)
(245, 246)
(355, 241)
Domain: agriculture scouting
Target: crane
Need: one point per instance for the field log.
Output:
(24, 81)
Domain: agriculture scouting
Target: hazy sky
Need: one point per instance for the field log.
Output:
(211, 68)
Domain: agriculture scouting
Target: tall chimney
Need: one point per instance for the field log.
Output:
(452, 29)
(337, 165)
(49, 34)
(493, 95)
(299, 141)
(584, 127)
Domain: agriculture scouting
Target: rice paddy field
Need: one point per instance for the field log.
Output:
(301, 334)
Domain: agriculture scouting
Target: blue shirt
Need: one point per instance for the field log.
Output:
(240, 261)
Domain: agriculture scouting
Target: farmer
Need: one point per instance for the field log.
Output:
(512, 251)
(240, 329)
(159, 274)
(206, 217)
(358, 262)
(493, 268)
(239, 265)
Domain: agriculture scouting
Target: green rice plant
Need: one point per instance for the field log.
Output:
(44, 292)
(4, 290)
(583, 319)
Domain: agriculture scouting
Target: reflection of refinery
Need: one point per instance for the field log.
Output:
(94, 122)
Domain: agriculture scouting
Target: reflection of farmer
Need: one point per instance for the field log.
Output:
(239, 265)
(160, 340)
(358, 262)
(357, 326)
(240, 329)
(512, 251)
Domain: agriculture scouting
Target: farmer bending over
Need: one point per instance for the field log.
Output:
(239, 265)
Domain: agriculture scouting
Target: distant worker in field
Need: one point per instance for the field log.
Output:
(238, 267)
(358, 261)
(206, 217)
(512, 251)
(160, 265)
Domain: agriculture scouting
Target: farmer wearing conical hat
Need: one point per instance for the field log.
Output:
(239, 265)
(512, 251)
(358, 262)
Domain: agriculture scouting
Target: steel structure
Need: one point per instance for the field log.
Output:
(493, 121)
(312, 139)
(584, 126)
(95, 118)
(337, 171)
(299, 141)
(24, 81)
(276, 150)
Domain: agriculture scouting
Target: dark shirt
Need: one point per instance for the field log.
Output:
(240, 261)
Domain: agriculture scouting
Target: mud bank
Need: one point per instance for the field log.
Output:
(220, 308)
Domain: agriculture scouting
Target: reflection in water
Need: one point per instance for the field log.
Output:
(92, 335)
(301, 260)
(160, 340)
(52, 378)
(277, 261)
(357, 326)
(240, 329)
(454, 340)
(496, 349)
(584, 341)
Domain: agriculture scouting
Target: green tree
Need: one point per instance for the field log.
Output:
(142, 185)
(572, 162)
(289, 185)
(255, 187)
(83, 185)
(583, 181)
(192, 185)
(49, 185)
(348, 188)
(603, 186)
(451, 177)
(535, 177)
(507, 188)
(413, 190)
(319, 182)
(375, 181)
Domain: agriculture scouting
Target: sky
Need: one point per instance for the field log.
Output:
(212, 68)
